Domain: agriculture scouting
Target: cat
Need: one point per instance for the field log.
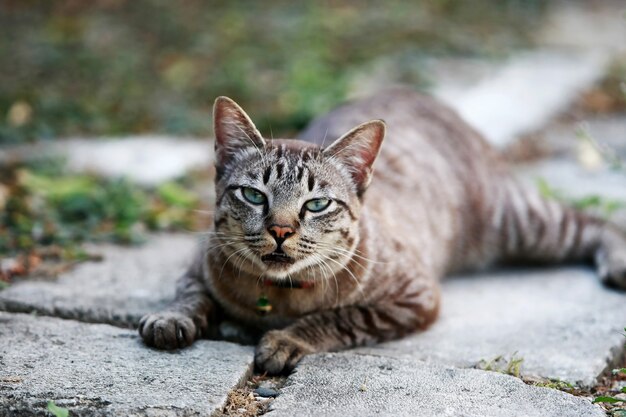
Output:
(320, 253)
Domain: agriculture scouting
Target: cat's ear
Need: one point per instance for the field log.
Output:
(233, 130)
(357, 150)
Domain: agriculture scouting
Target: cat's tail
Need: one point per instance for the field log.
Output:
(528, 227)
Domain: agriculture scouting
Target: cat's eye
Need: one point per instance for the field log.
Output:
(253, 196)
(317, 204)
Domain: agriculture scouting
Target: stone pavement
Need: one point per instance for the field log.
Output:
(120, 290)
(561, 322)
(353, 385)
(98, 370)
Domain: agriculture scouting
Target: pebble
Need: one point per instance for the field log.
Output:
(266, 392)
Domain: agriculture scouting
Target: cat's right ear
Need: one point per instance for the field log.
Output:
(233, 129)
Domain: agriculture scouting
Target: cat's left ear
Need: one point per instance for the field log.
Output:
(233, 129)
(357, 150)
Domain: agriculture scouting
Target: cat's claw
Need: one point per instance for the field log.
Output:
(278, 352)
(167, 330)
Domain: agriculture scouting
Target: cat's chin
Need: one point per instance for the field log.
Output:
(277, 274)
(279, 269)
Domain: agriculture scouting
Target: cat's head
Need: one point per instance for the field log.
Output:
(288, 208)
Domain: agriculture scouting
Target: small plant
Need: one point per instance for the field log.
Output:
(46, 214)
(57, 411)
(556, 384)
(500, 364)
(603, 152)
(615, 401)
(603, 206)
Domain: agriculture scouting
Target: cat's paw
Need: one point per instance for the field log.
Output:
(278, 352)
(612, 268)
(167, 330)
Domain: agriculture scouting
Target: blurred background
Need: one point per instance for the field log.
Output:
(114, 67)
(105, 106)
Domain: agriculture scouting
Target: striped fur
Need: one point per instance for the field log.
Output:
(440, 200)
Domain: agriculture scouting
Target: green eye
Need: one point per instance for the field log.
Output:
(253, 196)
(317, 204)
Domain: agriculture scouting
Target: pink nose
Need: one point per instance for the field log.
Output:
(280, 232)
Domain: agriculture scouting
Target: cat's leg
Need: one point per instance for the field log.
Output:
(530, 227)
(413, 307)
(186, 319)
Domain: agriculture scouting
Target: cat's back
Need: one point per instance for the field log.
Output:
(423, 135)
(434, 179)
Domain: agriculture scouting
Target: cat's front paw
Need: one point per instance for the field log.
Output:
(278, 352)
(167, 330)
(612, 269)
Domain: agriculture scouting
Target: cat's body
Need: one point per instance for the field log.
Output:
(365, 268)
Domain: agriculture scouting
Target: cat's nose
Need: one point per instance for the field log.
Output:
(280, 232)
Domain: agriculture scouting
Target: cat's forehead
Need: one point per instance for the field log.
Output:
(286, 157)
(292, 149)
(289, 168)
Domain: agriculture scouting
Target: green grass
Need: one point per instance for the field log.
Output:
(129, 66)
(57, 411)
(615, 404)
(510, 366)
(556, 384)
(602, 206)
(47, 207)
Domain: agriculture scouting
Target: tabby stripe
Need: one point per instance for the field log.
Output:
(383, 316)
(343, 329)
(311, 181)
(279, 170)
(329, 215)
(348, 209)
(267, 174)
(576, 245)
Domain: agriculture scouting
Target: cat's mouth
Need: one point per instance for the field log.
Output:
(277, 258)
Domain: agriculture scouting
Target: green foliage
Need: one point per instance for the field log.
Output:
(110, 68)
(511, 366)
(49, 207)
(556, 384)
(610, 400)
(602, 205)
(57, 411)
(615, 412)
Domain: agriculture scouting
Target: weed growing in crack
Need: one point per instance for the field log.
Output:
(503, 365)
(57, 411)
(616, 406)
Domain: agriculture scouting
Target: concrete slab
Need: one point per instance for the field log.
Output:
(98, 370)
(128, 283)
(353, 385)
(562, 322)
(525, 93)
(147, 160)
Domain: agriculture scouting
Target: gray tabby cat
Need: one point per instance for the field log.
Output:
(301, 250)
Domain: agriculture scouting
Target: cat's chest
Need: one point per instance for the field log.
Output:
(254, 301)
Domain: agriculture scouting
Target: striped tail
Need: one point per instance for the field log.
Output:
(532, 228)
